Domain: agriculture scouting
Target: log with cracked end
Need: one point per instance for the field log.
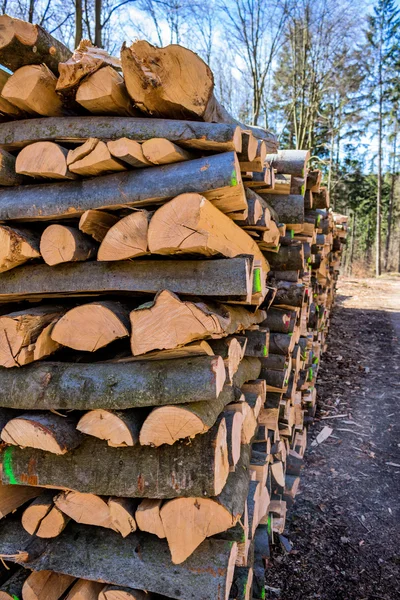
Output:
(119, 427)
(42, 518)
(17, 246)
(168, 322)
(211, 232)
(89, 327)
(148, 518)
(104, 93)
(43, 160)
(61, 244)
(86, 60)
(167, 424)
(128, 151)
(44, 431)
(6, 108)
(23, 43)
(46, 585)
(96, 223)
(33, 90)
(98, 161)
(160, 151)
(188, 522)
(127, 238)
(24, 335)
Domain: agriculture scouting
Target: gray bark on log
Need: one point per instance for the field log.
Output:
(227, 279)
(117, 386)
(144, 562)
(211, 137)
(288, 258)
(128, 188)
(289, 294)
(290, 208)
(180, 470)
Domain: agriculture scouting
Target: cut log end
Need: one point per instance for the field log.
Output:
(61, 244)
(168, 424)
(106, 425)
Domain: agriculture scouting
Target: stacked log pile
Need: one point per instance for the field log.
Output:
(166, 279)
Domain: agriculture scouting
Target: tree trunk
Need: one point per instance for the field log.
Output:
(116, 386)
(97, 24)
(78, 22)
(215, 177)
(200, 469)
(378, 251)
(230, 280)
(391, 202)
(210, 137)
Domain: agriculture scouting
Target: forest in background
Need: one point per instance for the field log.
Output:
(321, 74)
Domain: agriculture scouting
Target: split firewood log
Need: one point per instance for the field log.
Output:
(160, 151)
(17, 246)
(131, 472)
(6, 108)
(127, 238)
(46, 585)
(104, 93)
(59, 386)
(82, 150)
(168, 322)
(86, 60)
(85, 590)
(43, 519)
(92, 326)
(119, 428)
(188, 522)
(24, 335)
(61, 244)
(249, 149)
(45, 160)
(33, 90)
(12, 588)
(212, 232)
(45, 431)
(232, 350)
(96, 162)
(8, 174)
(167, 424)
(128, 151)
(256, 165)
(96, 223)
(23, 43)
(117, 514)
(148, 518)
(14, 496)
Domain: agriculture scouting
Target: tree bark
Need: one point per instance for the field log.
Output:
(229, 280)
(290, 208)
(216, 177)
(210, 137)
(27, 44)
(116, 386)
(200, 469)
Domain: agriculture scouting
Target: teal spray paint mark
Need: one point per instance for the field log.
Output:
(234, 178)
(7, 466)
(257, 281)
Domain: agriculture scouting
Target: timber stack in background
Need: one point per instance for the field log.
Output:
(167, 275)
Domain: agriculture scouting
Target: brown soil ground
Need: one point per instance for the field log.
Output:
(345, 524)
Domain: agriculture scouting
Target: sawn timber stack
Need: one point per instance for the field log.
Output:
(166, 278)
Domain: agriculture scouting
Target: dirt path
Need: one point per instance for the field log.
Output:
(345, 525)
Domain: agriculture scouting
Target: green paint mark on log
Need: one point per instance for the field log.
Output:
(291, 233)
(257, 281)
(265, 351)
(315, 360)
(15, 597)
(234, 178)
(269, 524)
(7, 466)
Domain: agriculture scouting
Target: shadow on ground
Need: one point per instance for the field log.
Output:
(345, 525)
